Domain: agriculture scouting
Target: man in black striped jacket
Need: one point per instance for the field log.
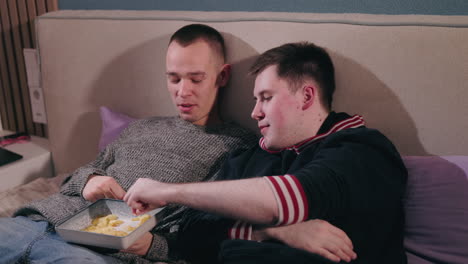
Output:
(317, 164)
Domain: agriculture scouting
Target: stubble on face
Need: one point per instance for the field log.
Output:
(195, 67)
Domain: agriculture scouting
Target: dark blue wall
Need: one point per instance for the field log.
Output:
(423, 7)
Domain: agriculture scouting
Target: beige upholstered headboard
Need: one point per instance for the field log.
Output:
(407, 75)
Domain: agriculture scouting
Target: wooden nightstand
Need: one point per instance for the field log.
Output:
(36, 162)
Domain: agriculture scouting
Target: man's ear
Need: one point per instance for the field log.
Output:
(308, 96)
(224, 75)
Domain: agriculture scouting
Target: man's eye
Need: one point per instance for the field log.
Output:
(174, 80)
(268, 98)
(196, 80)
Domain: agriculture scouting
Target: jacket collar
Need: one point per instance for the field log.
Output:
(333, 123)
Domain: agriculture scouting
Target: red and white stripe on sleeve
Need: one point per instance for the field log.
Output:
(292, 205)
(290, 197)
(241, 230)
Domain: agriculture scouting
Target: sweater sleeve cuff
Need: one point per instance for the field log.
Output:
(159, 248)
(240, 230)
(290, 198)
(76, 182)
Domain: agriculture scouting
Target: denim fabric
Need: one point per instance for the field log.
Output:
(25, 241)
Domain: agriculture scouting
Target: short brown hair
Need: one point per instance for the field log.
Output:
(298, 61)
(193, 32)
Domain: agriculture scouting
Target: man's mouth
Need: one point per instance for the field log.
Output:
(263, 128)
(185, 107)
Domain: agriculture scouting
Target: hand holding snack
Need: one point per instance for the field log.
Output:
(99, 187)
(146, 194)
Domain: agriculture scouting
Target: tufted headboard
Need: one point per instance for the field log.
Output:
(407, 75)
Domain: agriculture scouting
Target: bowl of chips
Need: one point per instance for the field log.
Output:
(106, 223)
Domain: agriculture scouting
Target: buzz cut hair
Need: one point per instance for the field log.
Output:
(193, 32)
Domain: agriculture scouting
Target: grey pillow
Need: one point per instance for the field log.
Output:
(436, 208)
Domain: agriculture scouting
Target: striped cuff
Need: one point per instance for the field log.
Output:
(241, 230)
(290, 197)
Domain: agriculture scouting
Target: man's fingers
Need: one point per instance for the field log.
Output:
(98, 187)
(351, 253)
(116, 192)
(341, 249)
(341, 235)
(127, 196)
(341, 254)
(336, 232)
(332, 252)
(96, 196)
(134, 211)
(137, 207)
(139, 212)
(92, 199)
(140, 206)
(348, 245)
(327, 254)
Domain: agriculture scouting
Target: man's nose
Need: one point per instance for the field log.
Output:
(185, 88)
(257, 112)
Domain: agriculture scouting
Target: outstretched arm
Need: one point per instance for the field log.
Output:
(251, 200)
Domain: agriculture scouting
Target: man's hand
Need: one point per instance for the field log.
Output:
(141, 246)
(316, 236)
(146, 194)
(99, 187)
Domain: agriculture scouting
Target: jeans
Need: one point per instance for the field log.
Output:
(25, 241)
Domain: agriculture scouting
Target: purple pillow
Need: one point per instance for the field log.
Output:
(436, 208)
(112, 124)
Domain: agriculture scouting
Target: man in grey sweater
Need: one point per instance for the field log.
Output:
(187, 148)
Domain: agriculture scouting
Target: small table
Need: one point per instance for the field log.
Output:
(36, 162)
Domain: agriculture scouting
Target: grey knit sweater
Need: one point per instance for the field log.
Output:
(167, 149)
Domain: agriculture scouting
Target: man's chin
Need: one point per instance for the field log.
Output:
(192, 119)
(186, 117)
(271, 146)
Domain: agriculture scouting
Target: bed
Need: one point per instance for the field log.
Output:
(405, 74)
